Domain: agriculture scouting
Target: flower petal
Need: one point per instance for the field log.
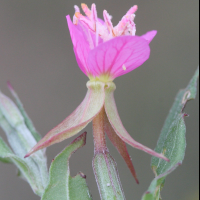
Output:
(81, 46)
(120, 145)
(118, 56)
(149, 35)
(114, 119)
(74, 123)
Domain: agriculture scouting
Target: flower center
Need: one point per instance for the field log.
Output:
(104, 29)
(105, 78)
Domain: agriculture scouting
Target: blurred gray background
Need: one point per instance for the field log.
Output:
(36, 56)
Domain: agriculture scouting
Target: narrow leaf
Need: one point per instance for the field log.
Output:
(153, 191)
(120, 146)
(107, 177)
(115, 121)
(27, 120)
(61, 185)
(21, 140)
(24, 170)
(172, 141)
(75, 122)
(4, 148)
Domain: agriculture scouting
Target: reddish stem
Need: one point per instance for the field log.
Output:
(99, 134)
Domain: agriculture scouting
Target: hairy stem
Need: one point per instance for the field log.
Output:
(99, 134)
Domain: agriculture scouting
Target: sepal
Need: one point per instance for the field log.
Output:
(74, 123)
(115, 121)
(120, 146)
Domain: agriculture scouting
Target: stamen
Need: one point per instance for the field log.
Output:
(107, 19)
(86, 10)
(132, 10)
(95, 21)
(90, 40)
(76, 8)
(94, 17)
(94, 12)
(85, 21)
(97, 34)
(75, 20)
(78, 15)
(126, 26)
(87, 34)
(120, 28)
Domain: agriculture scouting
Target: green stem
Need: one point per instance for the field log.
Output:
(104, 166)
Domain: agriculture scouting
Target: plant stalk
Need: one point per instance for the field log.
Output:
(99, 134)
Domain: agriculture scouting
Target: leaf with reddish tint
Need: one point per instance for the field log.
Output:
(115, 121)
(120, 145)
(61, 185)
(74, 123)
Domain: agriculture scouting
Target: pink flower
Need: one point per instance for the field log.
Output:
(103, 52)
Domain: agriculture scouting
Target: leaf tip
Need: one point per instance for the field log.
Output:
(168, 160)
(9, 85)
(163, 157)
(27, 155)
(180, 163)
(82, 175)
(81, 137)
(185, 115)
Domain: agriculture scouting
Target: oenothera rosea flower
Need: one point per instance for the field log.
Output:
(103, 52)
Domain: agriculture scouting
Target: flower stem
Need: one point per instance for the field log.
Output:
(104, 166)
(99, 134)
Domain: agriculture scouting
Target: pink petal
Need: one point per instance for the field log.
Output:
(120, 145)
(74, 123)
(118, 56)
(115, 121)
(149, 35)
(81, 46)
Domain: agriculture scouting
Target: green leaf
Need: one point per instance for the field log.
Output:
(24, 169)
(153, 192)
(61, 185)
(172, 141)
(33, 169)
(27, 120)
(4, 148)
(107, 177)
